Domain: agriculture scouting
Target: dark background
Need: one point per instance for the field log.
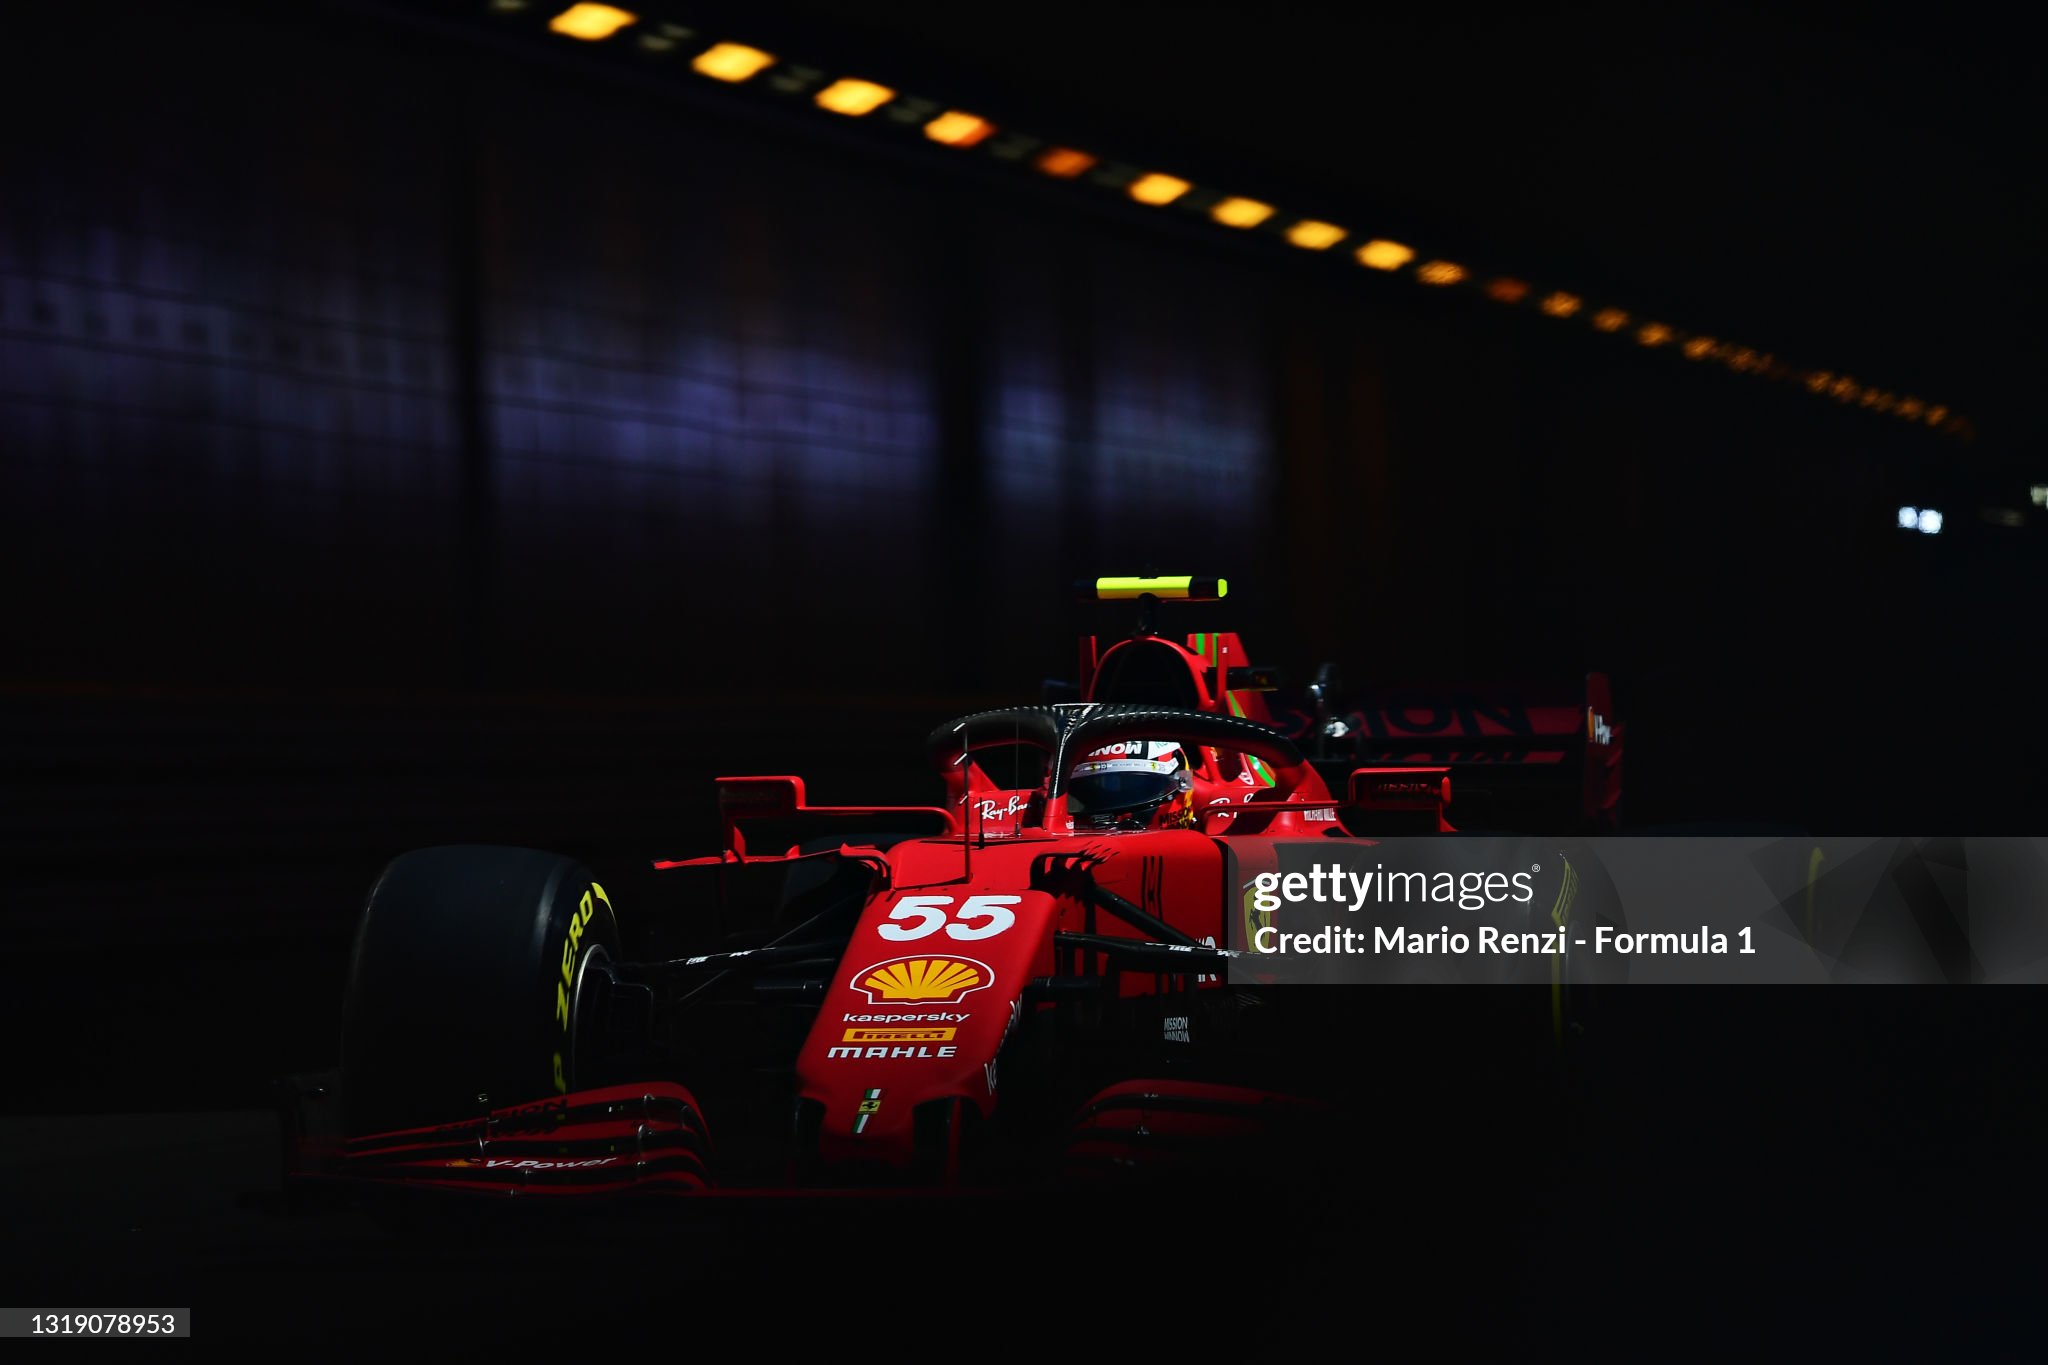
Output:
(417, 428)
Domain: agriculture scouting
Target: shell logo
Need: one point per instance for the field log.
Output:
(922, 980)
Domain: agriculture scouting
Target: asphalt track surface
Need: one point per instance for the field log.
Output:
(1881, 1183)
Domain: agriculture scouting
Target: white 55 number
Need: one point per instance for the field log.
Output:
(930, 912)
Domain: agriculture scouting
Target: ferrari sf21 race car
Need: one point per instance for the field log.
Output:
(1047, 976)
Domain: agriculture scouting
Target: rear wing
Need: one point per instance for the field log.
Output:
(1530, 756)
(1534, 757)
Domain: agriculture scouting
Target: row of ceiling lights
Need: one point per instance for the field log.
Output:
(737, 64)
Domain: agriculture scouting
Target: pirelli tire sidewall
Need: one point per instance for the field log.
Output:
(467, 983)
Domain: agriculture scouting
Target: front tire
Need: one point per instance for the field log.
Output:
(471, 977)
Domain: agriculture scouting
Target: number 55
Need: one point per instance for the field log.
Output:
(930, 912)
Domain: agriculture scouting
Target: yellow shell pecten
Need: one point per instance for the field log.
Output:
(924, 978)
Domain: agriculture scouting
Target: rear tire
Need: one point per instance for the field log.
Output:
(467, 985)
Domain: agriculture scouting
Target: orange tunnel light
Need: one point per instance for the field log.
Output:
(854, 97)
(956, 129)
(1064, 163)
(1241, 213)
(592, 23)
(732, 62)
(1381, 254)
(1154, 188)
(1315, 236)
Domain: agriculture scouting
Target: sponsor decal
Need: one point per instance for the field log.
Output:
(526, 1117)
(1427, 789)
(899, 1053)
(899, 1035)
(506, 1163)
(1125, 765)
(870, 1105)
(937, 1017)
(1177, 1028)
(1598, 730)
(1136, 748)
(922, 980)
(989, 810)
(1321, 813)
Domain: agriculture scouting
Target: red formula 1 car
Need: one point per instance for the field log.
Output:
(1040, 977)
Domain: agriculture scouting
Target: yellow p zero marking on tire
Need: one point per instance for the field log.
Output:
(571, 947)
(1124, 589)
(1561, 916)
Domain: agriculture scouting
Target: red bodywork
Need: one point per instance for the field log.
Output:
(954, 930)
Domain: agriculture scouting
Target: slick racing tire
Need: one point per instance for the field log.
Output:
(472, 970)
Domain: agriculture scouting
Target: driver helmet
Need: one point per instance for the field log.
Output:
(1132, 784)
